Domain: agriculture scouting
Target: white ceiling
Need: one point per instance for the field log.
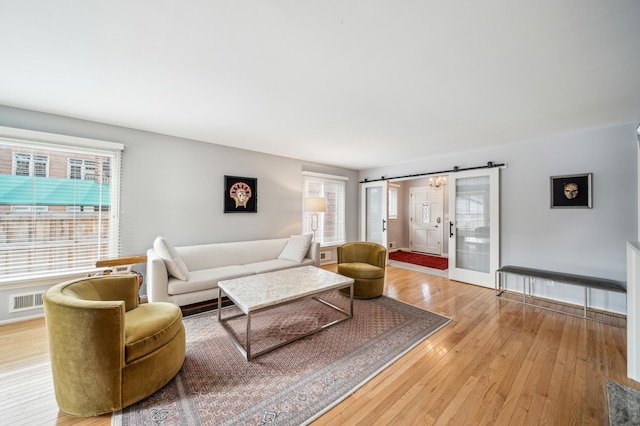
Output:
(357, 84)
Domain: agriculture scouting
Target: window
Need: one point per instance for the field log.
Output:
(58, 210)
(30, 164)
(106, 172)
(393, 202)
(332, 228)
(82, 169)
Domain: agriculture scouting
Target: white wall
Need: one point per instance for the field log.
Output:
(174, 187)
(580, 241)
(583, 241)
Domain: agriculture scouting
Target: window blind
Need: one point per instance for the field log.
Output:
(332, 228)
(59, 203)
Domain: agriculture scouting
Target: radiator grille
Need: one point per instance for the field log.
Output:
(25, 301)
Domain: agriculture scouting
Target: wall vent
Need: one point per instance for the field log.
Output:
(25, 301)
(325, 255)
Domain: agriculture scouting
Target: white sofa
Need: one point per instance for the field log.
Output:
(190, 274)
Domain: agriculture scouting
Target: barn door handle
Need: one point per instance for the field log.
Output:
(450, 229)
(384, 222)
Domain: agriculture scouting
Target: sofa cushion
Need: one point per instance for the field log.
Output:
(296, 248)
(275, 265)
(206, 279)
(173, 261)
(149, 327)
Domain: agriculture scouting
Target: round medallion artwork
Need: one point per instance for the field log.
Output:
(240, 192)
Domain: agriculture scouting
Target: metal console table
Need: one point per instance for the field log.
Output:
(586, 282)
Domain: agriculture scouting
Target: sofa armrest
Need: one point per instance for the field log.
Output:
(314, 253)
(157, 278)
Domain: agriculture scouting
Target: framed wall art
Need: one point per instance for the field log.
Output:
(240, 194)
(571, 191)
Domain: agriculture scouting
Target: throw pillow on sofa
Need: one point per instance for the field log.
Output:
(296, 248)
(175, 264)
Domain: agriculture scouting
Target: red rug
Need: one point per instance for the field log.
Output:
(434, 262)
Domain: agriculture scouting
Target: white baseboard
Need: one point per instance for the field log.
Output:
(24, 318)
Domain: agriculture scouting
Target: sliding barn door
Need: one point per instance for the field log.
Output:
(474, 237)
(373, 209)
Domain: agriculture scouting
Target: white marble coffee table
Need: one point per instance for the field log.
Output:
(260, 292)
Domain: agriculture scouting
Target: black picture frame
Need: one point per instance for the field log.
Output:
(580, 183)
(240, 194)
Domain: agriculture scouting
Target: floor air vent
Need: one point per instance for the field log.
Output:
(25, 301)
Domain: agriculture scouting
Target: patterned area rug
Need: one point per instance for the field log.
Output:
(421, 259)
(290, 385)
(624, 404)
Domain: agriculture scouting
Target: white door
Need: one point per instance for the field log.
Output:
(474, 236)
(373, 212)
(426, 219)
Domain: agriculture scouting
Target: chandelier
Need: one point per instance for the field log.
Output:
(437, 182)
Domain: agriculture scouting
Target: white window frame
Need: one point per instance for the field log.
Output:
(32, 159)
(25, 140)
(87, 168)
(332, 228)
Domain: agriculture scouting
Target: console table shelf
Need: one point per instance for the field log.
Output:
(121, 261)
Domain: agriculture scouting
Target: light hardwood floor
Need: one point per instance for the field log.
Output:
(497, 363)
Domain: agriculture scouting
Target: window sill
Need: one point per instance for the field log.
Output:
(26, 281)
(331, 245)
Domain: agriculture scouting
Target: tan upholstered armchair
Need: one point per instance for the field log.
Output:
(365, 262)
(107, 351)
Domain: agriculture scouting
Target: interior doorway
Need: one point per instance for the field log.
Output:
(469, 221)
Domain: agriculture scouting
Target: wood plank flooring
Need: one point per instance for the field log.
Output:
(497, 363)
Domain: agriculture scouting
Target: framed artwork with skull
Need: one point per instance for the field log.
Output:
(571, 191)
(240, 194)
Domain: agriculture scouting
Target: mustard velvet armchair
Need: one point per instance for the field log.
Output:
(365, 262)
(107, 350)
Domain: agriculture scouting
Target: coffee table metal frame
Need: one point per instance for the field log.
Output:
(249, 311)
